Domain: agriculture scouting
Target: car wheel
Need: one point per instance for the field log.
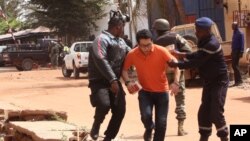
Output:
(27, 64)
(65, 71)
(19, 68)
(75, 72)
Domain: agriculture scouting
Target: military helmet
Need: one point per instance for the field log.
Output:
(161, 24)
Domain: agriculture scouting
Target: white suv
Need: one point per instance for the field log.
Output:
(76, 60)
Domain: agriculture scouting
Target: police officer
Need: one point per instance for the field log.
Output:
(237, 52)
(166, 38)
(106, 57)
(212, 68)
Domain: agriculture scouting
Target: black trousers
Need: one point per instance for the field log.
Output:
(104, 100)
(212, 107)
(235, 65)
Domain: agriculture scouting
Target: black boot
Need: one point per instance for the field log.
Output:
(224, 138)
(94, 133)
(147, 135)
(107, 139)
(203, 138)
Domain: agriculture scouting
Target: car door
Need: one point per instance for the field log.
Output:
(85, 53)
(70, 56)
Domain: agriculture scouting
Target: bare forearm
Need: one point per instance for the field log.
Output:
(125, 76)
(177, 75)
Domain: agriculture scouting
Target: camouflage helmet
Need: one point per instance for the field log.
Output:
(161, 24)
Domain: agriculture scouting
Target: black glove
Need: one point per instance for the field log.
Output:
(173, 64)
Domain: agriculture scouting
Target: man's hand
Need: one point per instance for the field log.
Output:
(133, 87)
(177, 54)
(172, 64)
(115, 87)
(174, 87)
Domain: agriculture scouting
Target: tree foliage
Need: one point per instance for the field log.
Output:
(68, 17)
(11, 9)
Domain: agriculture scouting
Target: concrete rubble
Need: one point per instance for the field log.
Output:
(17, 124)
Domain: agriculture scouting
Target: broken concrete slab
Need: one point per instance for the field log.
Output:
(45, 130)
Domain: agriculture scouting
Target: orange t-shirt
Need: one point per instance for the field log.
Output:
(151, 69)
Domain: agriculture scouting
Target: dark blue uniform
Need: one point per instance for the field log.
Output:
(212, 68)
(237, 51)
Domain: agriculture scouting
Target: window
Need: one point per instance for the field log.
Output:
(83, 47)
(77, 48)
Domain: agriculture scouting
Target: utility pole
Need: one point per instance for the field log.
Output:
(126, 8)
(239, 13)
(130, 23)
(239, 5)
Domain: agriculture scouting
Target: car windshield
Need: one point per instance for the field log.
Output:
(82, 47)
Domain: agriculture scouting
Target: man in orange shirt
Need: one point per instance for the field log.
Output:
(150, 62)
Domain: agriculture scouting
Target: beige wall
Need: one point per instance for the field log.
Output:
(232, 6)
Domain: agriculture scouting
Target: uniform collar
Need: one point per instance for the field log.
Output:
(110, 35)
(204, 40)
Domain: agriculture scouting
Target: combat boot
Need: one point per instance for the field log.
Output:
(203, 138)
(181, 131)
(94, 133)
(224, 138)
(107, 139)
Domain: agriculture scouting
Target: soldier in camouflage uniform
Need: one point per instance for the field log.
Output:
(166, 38)
(54, 55)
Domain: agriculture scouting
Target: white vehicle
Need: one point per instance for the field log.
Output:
(76, 60)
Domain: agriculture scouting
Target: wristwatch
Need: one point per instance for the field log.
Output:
(127, 82)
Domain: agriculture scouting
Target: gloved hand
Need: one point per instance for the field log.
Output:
(172, 64)
(115, 87)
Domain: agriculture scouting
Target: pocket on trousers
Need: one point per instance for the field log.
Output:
(92, 100)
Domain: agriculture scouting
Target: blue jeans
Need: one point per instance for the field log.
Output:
(148, 100)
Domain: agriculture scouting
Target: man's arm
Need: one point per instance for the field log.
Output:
(241, 43)
(175, 85)
(125, 76)
(182, 44)
(99, 51)
(131, 85)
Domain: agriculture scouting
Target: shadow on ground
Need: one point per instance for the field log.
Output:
(243, 99)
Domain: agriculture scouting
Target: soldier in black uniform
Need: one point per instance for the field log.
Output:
(106, 57)
(166, 38)
(212, 68)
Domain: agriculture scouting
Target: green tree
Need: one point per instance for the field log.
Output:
(11, 9)
(73, 18)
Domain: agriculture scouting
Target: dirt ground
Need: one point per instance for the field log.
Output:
(48, 89)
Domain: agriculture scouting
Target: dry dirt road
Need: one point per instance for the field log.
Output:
(48, 89)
